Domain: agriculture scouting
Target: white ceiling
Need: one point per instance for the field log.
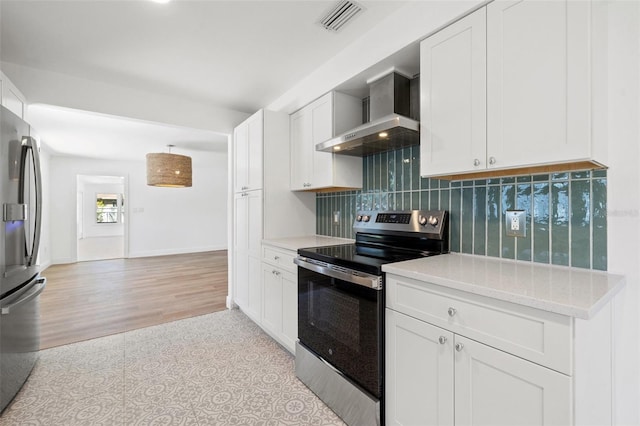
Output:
(238, 55)
(84, 134)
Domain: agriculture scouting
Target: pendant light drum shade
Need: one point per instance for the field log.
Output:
(169, 170)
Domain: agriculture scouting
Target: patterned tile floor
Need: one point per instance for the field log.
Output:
(216, 369)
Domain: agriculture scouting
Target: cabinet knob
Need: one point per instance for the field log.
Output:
(442, 340)
(459, 347)
(492, 160)
(244, 187)
(276, 257)
(476, 162)
(451, 311)
(244, 194)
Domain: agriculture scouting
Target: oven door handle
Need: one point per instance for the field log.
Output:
(345, 274)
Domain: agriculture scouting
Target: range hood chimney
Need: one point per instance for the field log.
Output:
(390, 126)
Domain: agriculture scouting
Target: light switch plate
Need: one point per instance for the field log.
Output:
(516, 223)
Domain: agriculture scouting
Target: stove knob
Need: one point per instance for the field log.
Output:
(433, 220)
(422, 220)
(366, 218)
(359, 218)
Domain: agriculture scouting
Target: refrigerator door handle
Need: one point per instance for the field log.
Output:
(41, 283)
(29, 143)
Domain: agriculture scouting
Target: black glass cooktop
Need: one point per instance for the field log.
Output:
(361, 257)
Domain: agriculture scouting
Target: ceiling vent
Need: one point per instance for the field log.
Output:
(342, 13)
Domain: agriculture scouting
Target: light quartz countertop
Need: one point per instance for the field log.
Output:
(574, 292)
(295, 243)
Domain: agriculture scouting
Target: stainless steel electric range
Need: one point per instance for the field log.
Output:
(341, 301)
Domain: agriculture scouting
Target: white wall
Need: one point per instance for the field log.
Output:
(44, 256)
(623, 190)
(161, 220)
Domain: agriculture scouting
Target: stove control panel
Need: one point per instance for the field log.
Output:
(430, 222)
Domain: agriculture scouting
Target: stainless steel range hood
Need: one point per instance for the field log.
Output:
(390, 127)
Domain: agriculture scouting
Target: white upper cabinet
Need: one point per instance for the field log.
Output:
(538, 107)
(322, 119)
(11, 97)
(248, 142)
(453, 97)
(509, 87)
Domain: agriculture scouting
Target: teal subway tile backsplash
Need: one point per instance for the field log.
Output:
(566, 213)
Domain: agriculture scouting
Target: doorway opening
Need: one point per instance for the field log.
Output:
(101, 217)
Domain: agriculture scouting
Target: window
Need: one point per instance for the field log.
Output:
(108, 208)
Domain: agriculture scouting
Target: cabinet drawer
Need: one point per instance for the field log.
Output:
(539, 336)
(280, 258)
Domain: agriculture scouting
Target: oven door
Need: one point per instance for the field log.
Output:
(340, 319)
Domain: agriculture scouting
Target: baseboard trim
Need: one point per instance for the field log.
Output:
(230, 303)
(62, 261)
(165, 252)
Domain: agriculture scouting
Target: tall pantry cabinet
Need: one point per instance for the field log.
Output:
(263, 205)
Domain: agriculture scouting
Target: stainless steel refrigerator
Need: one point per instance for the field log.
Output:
(20, 280)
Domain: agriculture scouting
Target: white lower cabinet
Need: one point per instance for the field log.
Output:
(419, 372)
(248, 291)
(466, 371)
(435, 376)
(495, 388)
(254, 305)
(280, 296)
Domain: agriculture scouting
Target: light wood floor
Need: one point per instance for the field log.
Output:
(86, 300)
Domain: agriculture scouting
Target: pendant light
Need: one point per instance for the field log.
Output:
(168, 170)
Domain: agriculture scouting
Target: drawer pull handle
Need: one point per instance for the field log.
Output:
(276, 257)
(442, 340)
(459, 347)
(451, 311)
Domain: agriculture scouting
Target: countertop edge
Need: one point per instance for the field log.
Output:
(302, 241)
(506, 296)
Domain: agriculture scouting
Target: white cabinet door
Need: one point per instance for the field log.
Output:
(272, 298)
(247, 226)
(315, 123)
(241, 277)
(419, 372)
(247, 234)
(538, 101)
(289, 310)
(495, 388)
(11, 98)
(301, 154)
(254, 279)
(247, 153)
(254, 222)
(255, 126)
(240, 229)
(453, 98)
(321, 113)
(240, 158)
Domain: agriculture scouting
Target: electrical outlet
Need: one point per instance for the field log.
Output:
(516, 223)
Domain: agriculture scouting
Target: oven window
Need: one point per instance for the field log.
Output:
(343, 323)
(326, 306)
